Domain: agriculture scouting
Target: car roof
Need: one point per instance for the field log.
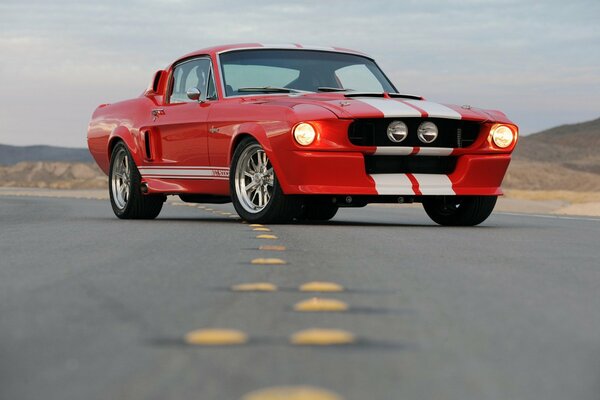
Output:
(287, 46)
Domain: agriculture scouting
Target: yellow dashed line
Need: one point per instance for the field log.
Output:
(321, 287)
(266, 237)
(223, 213)
(256, 225)
(254, 287)
(272, 248)
(209, 209)
(292, 393)
(317, 304)
(268, 261)
(261, 229)
(322, 337)
(215, 337)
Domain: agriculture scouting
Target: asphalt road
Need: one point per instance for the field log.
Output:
(96, 308)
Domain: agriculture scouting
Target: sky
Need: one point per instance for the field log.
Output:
(537, 61)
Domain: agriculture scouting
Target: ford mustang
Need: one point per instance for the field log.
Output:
(293, 133)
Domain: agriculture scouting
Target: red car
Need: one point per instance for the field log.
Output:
(295, 132)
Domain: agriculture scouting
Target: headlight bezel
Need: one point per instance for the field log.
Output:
(304, 134)
(392, 134)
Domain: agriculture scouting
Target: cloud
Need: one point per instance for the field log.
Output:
(62, 58)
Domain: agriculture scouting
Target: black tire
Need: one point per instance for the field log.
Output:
(459, 210)
(135, 205)
(318, 211)
(278, 208)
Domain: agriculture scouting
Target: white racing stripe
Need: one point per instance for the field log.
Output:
(432, 184)
(435, 110)
(405, 151)
(434, 151)
(393, 184)
(391, 108)
(393, 151)
(185, 172)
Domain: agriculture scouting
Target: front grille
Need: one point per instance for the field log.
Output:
(452, 133)
(410, 164)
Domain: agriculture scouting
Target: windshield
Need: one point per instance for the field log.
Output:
(286, 71)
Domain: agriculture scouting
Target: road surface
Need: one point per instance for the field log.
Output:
(92, 307)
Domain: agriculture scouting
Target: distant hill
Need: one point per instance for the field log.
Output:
(566, 157)
(55, 175)
(10, 155)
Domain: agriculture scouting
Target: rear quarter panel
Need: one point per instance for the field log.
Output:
(119, 121)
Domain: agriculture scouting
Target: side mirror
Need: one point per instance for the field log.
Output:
(193, 93)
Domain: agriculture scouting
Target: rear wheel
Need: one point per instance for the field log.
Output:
(124, 182)
(459, 210)
(255, 190)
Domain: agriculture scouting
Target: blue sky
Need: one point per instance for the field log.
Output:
(538, 61)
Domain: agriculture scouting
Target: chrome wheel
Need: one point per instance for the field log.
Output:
(120, 183)
(254, 179)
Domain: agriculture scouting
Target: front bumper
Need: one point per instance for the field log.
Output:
(344, 173)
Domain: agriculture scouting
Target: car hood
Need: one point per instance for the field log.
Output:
(384, 106)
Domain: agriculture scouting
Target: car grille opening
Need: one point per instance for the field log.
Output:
(452, 133)
(410, 164)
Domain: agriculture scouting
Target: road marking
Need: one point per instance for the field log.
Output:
(223, 213)
(322, 337)
(321, 287)
(292, 393)
(209, 209)
(261, 229)
(268, 261)
(254, 287)
(266, 237)
(256, 225)
(215, 337)
(317, 304)
(272, 247)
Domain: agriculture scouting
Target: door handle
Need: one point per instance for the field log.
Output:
(157, 112)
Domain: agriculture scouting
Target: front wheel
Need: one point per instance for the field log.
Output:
(459, 210)
(255, 190)
(125, 191)
(318, 211)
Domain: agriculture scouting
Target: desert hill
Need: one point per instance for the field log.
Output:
(562, 158)
(53, 175)
(10, 155)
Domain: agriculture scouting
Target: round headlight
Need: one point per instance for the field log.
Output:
(304, 133)
(503, 136)
(427, 132)
(397, 131)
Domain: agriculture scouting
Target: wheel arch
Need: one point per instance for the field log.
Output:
(122, 134)
(258, 133)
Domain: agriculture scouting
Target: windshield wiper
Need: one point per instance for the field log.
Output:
(269, 89)
(333, 89)
(382, 94)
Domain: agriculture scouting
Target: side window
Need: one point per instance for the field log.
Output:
(194, 73)
(357, 77)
